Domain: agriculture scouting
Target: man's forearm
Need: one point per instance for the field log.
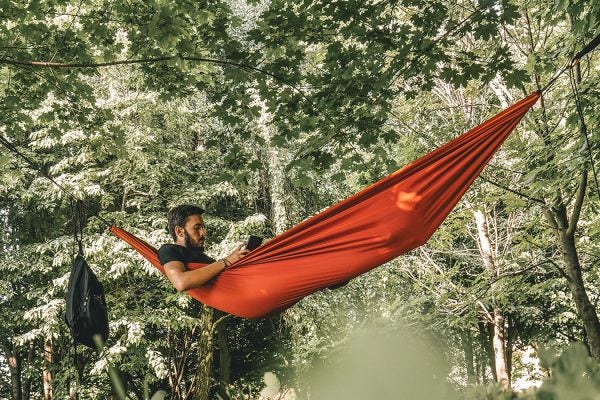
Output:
(186, 280)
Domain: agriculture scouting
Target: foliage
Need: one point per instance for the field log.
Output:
(337, 93)
(572, 375)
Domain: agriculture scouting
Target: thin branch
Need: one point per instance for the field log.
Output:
(533, 199)
(519, 272)
(218, 321)
(560, 270)
(260, 70)
(22, 47)
(48, 64)
(503, 168)
(515, 41)
(64, 33)
(470, 105)
(487, 313)
(578, 204)
(278, 78)
(431, 45)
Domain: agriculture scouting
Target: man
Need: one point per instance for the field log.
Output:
(189, 233)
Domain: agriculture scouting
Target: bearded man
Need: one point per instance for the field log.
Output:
(187, 228)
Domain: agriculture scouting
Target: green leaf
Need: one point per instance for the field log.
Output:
(302, 181)
(516, 78)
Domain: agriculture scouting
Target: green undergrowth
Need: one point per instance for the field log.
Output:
(573, 375)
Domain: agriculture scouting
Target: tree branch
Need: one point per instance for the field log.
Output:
(218, 321)
(578, 204)
(560, 270)
(486, 312)
(533, 199)
(522, 271)
(243, 66)
(47, 64)
(550, 218)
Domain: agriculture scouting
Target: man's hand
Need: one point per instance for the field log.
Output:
(239, 253)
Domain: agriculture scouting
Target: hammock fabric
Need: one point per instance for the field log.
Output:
(389, 218)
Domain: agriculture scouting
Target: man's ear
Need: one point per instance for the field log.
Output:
(179, 231)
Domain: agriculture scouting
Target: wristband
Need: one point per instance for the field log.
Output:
(226, 262)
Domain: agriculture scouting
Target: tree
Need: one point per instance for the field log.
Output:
(278, 109)
(551, 180)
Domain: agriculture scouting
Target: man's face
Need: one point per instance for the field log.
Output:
(194, 232)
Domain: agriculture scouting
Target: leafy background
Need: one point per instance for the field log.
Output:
(264, 113)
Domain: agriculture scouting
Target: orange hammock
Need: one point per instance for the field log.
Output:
(389, 218)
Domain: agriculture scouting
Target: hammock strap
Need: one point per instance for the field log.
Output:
(78, 222)
(574, 86)
(589, 47)
(558, 74)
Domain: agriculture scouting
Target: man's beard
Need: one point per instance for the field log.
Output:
(188, 242)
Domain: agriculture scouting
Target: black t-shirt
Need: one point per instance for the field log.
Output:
(174, 252)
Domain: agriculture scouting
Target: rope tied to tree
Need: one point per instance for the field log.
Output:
(583, 126)
(573, 63)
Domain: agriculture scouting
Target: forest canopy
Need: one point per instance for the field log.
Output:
(265, 113)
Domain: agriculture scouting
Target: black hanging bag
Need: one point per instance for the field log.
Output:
(86, 313)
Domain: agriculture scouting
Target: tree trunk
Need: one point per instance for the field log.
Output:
(486, 335)
(498, 341)
(179, 348)
(500, 350)
(14, 365)
(27, 381)
(564, 230)
(203, 377)
(510, 339)
(276, 184)
(467, 345)
(73, 390)
(47, 374)
(565, 237)
(224, 356)
(276, 175)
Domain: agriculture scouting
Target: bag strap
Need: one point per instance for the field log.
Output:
(78, 221)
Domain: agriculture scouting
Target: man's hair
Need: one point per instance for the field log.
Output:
(179, 214)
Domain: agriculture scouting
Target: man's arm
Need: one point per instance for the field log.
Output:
(185, 280)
